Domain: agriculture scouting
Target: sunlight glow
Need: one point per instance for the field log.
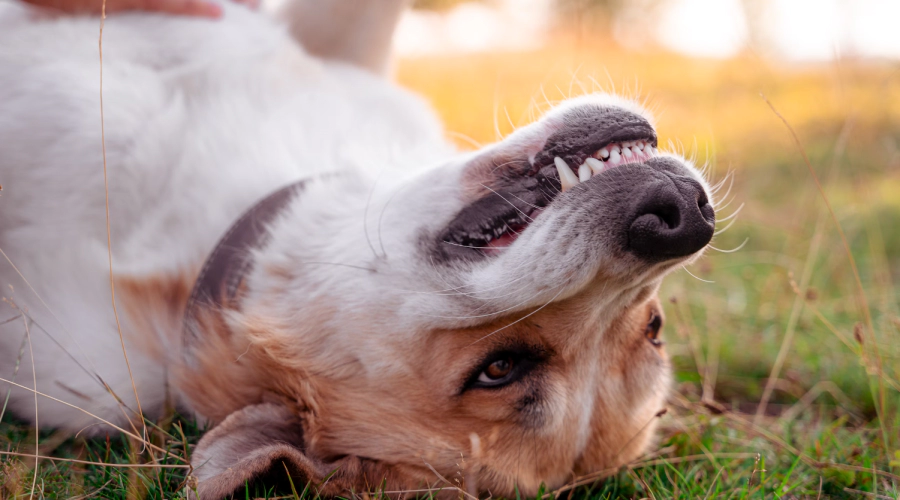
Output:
(703, 28)
(794, 30)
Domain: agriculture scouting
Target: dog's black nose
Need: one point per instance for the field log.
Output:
(672, 218)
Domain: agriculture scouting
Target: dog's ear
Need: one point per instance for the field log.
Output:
(257, 444)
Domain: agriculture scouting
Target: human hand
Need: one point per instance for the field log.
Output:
(196, 8)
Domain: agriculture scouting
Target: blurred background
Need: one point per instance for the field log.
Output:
(775, 312)
(785, 336)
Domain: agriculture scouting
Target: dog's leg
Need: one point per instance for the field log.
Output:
(355, 31)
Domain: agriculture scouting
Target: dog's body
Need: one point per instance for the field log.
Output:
(177, 143)
(367, 309)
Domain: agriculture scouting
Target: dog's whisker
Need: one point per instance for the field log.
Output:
(338, 264)
(735, 249)
(726, 203)
(508, 202)
(729, 178)
(525, 202)
(487, 302)
(733, 215)
(366, 217)
(470, 246)
(726, 228)
(494, 313)
(562, 289)
(454, 291)
(498, 166)
(695, 276)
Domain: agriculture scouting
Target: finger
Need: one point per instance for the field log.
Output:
(198, 8)
(253, 4)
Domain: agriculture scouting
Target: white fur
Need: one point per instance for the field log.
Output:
(203, 118)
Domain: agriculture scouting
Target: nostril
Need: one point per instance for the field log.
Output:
(668, 216)
(706, 210)
(702, 200)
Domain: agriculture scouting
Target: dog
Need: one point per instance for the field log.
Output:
(300, 258)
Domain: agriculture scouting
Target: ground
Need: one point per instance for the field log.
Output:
(779, 311)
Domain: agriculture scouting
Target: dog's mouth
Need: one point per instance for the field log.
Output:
(493, 222)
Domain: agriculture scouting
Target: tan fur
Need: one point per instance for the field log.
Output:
(153, 306)
(427, 423)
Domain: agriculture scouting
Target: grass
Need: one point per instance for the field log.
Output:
(830, 427)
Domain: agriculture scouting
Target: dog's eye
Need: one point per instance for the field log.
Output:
(497, 371)
(505, 367)
(653, 327)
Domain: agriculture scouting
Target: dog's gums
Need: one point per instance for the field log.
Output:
(412, 313)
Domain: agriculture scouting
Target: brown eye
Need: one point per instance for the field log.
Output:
(652, 331)
(496, 371)
(505, 367)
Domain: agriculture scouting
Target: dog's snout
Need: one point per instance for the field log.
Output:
(672, 218)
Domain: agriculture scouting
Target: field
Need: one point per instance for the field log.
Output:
(785, 337)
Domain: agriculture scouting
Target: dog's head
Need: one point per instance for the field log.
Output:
(490, 324)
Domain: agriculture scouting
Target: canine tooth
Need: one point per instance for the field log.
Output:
(584, 172)
(595, 164)
(614, 157)
(626, 152)
(566, 176)
(603, 153)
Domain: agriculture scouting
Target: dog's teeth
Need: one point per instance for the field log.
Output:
(584, 172)
(640, 145)
(652, 150)
(614, 157)
(566, 176)
(626, 152)
(614, 149)
(603, 153)
(595, 165)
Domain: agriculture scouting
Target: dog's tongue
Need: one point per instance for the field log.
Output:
(501, 243)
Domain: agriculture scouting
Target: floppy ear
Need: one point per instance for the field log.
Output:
(253, 444)
(256, 443)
